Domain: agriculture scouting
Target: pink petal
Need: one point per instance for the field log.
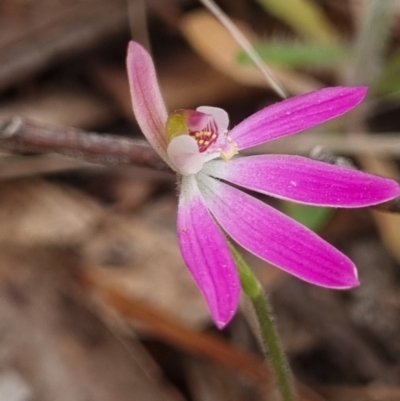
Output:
(196, 120)
(183, 152)
(276, 238)
(220, 117)
(306, 181)
(148, 105)
(206, 254)
(296, 114)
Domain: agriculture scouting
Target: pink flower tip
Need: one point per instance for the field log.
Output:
(221, 324)
(352, 281)
(359, 93)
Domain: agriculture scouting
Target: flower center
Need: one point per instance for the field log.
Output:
(197, 136)
(204, 139)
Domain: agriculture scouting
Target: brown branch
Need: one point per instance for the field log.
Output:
(20, 135)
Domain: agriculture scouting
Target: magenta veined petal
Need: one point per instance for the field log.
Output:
(296, 114)
(206, 254)
(304, 180)
(197, 120)
(276, 238)
(220, 117)
(148, 104)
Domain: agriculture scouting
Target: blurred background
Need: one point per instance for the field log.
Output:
(95, 301)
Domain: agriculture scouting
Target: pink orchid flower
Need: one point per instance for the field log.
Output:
(197, 145)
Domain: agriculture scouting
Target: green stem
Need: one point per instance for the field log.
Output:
(254, 290)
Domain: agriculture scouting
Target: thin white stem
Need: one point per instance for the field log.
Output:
(245, 45)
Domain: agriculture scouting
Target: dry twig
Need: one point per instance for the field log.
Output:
(20, 135)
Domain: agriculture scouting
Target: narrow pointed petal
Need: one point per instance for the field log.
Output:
(206, 254)
(295, 115)
(274, 237)
(148, 105)
(306, 181)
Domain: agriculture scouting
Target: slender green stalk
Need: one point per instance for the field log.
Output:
(253, 289)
